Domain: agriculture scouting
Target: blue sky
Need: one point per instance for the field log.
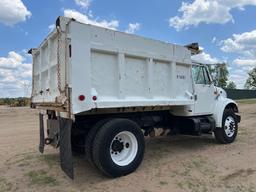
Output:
(225, 29)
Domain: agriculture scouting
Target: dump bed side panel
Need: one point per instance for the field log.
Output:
(124, 70)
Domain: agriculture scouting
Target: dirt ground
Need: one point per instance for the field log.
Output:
(173, 163)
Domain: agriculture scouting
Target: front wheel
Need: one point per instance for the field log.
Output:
(228, 132)
(118, 147)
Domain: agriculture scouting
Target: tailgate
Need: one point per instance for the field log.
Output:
(49, 71)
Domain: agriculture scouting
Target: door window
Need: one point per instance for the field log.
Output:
(200, 75)
(206, 76)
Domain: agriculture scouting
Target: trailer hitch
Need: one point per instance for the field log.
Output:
(48, 141)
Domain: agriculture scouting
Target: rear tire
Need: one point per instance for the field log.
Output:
(118, 147)
(228, 132)
(77, 144)
(90, 138)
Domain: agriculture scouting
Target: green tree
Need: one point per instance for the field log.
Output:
(231, 85)
(251, 80)
(15, 102)
(220, 74)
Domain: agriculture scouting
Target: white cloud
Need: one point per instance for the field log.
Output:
(15, 75)
(51, 27)
(12, 12)
(214, 40)
(83, 18)
(240, 4)
(205, 58)
(244, 45)
(240, 42)
(245, 62)
(207, 11)
(239, 77)
(240, 74)
(83, 3)
(132, 28)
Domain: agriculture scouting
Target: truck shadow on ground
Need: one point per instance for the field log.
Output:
(158, 150)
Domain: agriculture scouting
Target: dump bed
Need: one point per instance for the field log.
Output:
(110, 69)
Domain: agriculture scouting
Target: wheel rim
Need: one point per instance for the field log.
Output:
(230, 126)
(123, 148)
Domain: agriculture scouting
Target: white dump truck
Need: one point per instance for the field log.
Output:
(101, 91)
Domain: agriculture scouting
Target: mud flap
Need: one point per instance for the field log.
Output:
(41, 127)
(66, 160)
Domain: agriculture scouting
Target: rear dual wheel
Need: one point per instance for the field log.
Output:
(118, 147)
(90, 138)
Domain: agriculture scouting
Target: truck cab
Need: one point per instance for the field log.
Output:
(212, 100)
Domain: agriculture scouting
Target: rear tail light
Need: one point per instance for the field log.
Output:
(81, 97)
(94, 98)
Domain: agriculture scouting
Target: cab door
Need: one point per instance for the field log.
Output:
(204, 90)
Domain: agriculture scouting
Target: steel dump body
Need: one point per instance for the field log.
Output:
(110, 68)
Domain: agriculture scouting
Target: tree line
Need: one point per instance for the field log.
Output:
(15, 102)
(220, 75)
(251, 80)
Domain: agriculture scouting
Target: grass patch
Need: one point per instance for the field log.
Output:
(21, 160)
(163, 183)
(41, 178)
(198, 162)
(50, 159)
(246, 101)
(24, 164)
(27, 159)
(180, 185)
(185, 172)
(5, 185)
(193, 185)
(145, 190)
(201, 167)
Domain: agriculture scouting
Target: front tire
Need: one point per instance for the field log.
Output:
(118, 147)
(228, 132)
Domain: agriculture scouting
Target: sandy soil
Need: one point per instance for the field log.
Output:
(174, 163)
